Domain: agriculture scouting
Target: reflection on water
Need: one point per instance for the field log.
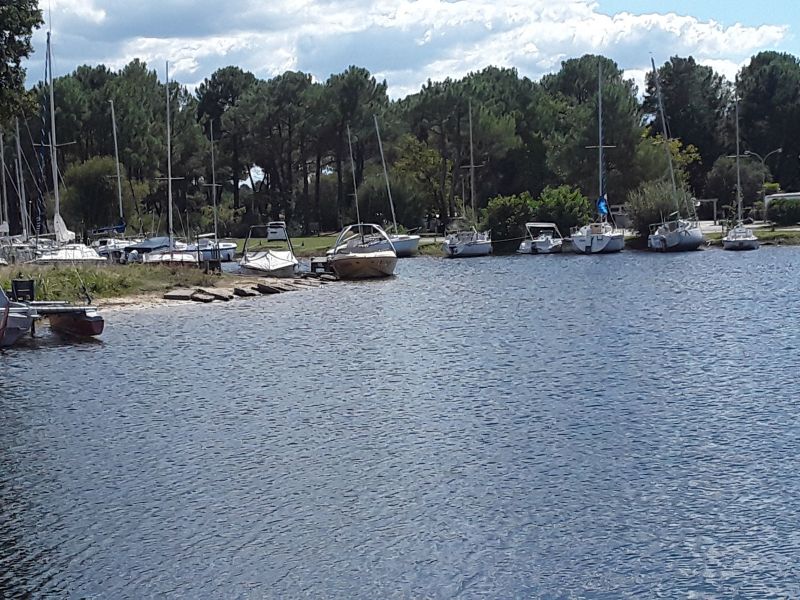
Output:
(496, 427)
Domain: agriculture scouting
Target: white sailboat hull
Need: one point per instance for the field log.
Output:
(170, 258)
(275, 263)
(676, 236)
(404, 245)
(367, 265)
(467, 249)
(69, 254)
(598, 243)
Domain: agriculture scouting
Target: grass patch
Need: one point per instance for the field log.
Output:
(314, 245)
(108, 281)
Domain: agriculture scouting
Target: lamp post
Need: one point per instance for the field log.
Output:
(763, 168)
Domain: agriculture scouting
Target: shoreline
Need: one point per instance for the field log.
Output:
(115, 287)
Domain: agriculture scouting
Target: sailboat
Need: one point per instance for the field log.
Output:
(468, 242)
(208, 245)
(404, 244)
(17, 248)
(740, 237)
(113, 248)
(66, 249)
(674, 234)
(175, 253)
(356, 255)
(600, 237)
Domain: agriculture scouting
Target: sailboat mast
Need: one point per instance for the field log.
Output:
(385, 173)
(169, 163)
(666, 134)
(600, 130)
(116, 157)
(4, 218)
(214, 183)
(471, 165)
(353, 169)
(23, 209)
(738, 175)
(53, 143)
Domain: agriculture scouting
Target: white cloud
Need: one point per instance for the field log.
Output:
(404, 41)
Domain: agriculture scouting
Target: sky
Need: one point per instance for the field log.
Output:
(407, 42)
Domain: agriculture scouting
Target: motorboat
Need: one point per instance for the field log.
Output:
(208, 248)
(543, 238)
(467, 243)
(356, 257)
(259, 258)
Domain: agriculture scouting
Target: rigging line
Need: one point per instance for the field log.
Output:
(33, 175)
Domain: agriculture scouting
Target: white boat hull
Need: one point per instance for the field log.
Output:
(404, 245)
(545, 246)
(174, 258)
(369, 265)
(69, 254)
(683, 237)
(467, 249)
(598, 243)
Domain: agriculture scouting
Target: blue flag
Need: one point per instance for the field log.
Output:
(602, 206)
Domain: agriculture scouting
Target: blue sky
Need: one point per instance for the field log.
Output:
(408, 41)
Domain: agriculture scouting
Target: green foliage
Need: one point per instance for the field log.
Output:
(784, 212)
(650, 203)
(563, 205)
(91, 198)
(721, 181)
(695, 101)
(18, 19)
(505, 217)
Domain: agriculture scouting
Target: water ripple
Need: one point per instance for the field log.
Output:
(501, 427)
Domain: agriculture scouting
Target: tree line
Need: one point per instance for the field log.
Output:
(282, 151)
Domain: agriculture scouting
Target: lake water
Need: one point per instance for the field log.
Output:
(504, 427)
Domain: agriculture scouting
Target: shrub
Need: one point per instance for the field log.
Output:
(563, 205)
(506, 216)
(650, 203)
(784, 211)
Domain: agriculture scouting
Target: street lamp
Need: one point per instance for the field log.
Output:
(763, 169)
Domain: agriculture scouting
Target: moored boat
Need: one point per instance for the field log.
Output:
(739, 237)
(675, 234)
(543, 238)
(355, 257)
(260, 259)
(18, 322)
(467, 243)
(208, 248)
(600, 237)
